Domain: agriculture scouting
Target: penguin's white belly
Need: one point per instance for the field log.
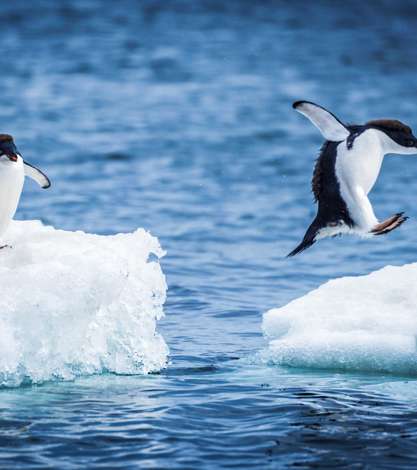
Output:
(11, 184)
(360, 166)
(357, 170)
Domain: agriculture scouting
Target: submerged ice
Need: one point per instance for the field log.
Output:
(73, 303)
(365, 323)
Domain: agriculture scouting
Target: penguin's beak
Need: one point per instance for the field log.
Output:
(10, 151)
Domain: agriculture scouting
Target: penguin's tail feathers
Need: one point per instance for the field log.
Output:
(309, 238)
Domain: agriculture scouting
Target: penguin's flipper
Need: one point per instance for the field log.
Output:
(36, 175)
(326, 122)
(390, 224)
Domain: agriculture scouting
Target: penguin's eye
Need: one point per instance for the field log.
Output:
(409, 143)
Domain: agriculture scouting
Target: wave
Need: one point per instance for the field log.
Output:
(365, 323)
(73, 303)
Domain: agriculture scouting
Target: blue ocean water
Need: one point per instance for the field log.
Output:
(176, 116)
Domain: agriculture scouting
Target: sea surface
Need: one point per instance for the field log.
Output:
(176, 116)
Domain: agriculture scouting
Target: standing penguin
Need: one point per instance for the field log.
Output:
(346, 170)
(13, 170)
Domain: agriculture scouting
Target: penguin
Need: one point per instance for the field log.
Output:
(346, 169)
(13, 170)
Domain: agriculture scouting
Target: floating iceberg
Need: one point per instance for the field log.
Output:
(73, 303)
(365, 323)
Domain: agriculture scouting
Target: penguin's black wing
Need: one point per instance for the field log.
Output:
(37, 175)
(327, 123)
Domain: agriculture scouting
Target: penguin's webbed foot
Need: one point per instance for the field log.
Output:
(389, 224)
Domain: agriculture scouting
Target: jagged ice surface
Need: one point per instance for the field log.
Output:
(365, 323)
(73, 303)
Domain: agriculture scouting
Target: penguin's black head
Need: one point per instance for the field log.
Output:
(8, 148)
(398, 132)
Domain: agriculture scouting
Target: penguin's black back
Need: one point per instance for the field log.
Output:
(332, 208)
(326, 189)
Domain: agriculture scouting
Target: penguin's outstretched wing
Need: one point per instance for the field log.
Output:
(328, 124)
(36, 175)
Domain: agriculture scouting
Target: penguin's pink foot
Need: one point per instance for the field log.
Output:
(389, 224)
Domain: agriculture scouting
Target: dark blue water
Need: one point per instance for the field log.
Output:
(176, 116)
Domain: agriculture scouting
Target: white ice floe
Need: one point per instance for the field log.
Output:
(73, 303)
(365, 323)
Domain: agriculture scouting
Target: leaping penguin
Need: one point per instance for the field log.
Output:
(346, 170)
(13, 170)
